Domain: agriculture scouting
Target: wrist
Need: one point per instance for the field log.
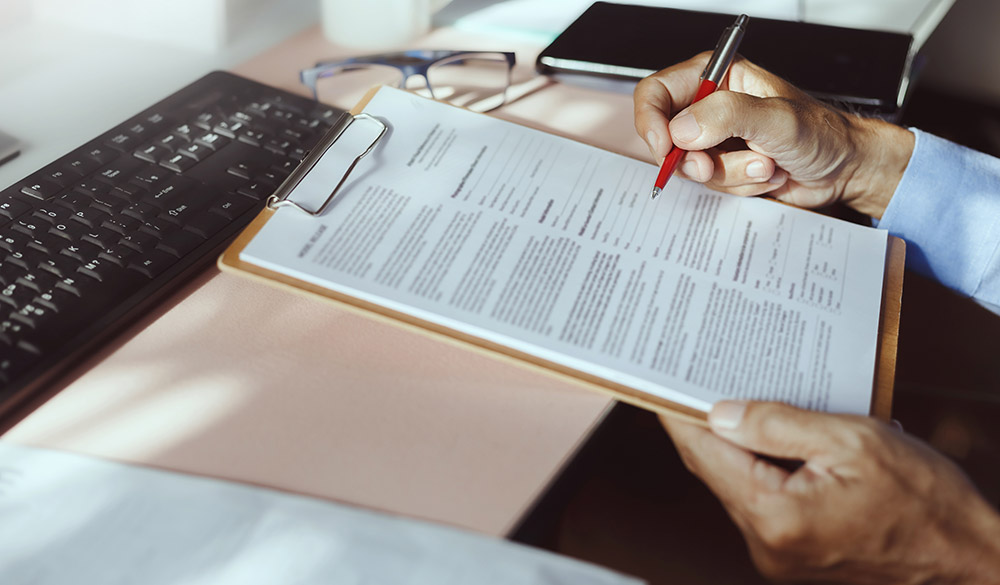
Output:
(882, 151)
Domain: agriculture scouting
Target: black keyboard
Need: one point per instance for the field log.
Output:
(89, 242)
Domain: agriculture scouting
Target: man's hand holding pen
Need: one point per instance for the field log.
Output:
(792, 147)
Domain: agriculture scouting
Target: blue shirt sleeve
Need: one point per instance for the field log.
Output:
(947, 209)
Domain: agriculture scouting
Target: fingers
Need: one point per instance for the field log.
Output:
(658, 97)
(744, 172)
(730, 472)
(783, 431)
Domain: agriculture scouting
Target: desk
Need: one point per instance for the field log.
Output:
(235, 380)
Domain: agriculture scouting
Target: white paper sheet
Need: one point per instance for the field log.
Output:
(555, 249)
(69, 519)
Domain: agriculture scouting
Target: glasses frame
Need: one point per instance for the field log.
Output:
(415, 62)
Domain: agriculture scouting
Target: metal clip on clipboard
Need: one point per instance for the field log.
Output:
(280, 196)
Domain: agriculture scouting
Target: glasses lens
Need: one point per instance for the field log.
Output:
(344, 86)
(477, 81)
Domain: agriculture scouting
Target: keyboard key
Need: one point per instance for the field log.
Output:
(41, 189)
(158, 227)
(180, 243)
(99, 269)
(139, 241)
(57, 300)
(141, 211)
(185, 132)
(10, 272)
(256, 191)
(51, 214)
(168, 192)
(118, 171)
(30, 227)
(212, 140)
(70, 230)
(32, 315)
(60, 177)
(206, 224)
(79, 165)
(79, 286)
(178, 163)
(229, 128)
(171, 142)
(89, 216)
(232, 206)
(122, 141)
(117, 255)
(122, 224)
(16, 295)
(59, 265)
(150, 177)
(80, 250)
(152, 153)
(11, 208)
(102, 154)
(152, 263)
(101, 237)
(195, 150)
(92, 188)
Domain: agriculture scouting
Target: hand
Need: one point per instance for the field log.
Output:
(867, 505)
(793, 147)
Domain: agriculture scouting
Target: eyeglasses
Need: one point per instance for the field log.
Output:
(477, 80)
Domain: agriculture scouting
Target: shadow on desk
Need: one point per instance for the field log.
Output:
(628, 502)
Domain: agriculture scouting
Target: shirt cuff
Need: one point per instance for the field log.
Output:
(946, 207)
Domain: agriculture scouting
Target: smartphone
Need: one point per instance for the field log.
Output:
(9, 147)
(862, 70)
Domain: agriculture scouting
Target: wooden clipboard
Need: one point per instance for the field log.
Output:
(230, 261)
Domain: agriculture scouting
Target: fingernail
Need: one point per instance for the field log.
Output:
(653, 140)
(685, 127)
(755, 170)
(727, 416)
(690, 169)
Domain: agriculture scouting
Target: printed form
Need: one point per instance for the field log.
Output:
(554, 248)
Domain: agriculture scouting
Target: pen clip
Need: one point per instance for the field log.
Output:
(725, 51)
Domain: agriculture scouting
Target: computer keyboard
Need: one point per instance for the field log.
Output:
(91, 241)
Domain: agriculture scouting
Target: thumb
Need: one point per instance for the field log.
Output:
(768, 125)
(775, 429)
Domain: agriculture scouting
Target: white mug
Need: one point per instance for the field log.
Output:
(376, 24)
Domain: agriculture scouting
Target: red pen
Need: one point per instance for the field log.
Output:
(711, 78)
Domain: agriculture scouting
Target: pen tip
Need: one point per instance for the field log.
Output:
(655, 193)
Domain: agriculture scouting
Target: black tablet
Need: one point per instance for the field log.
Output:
(863, 70)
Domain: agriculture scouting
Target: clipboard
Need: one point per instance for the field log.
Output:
(230, 261)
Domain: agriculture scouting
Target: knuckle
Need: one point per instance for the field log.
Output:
(774, 567)
(783, 536)
(859, 438)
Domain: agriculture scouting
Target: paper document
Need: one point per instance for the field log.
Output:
(70, 519)
(554, 248)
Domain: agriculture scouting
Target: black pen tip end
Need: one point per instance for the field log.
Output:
(655, 193)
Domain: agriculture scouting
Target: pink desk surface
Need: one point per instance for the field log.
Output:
(235, 380)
